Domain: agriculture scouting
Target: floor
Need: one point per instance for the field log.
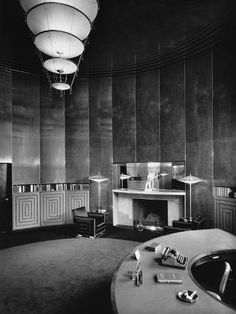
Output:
(14, 238)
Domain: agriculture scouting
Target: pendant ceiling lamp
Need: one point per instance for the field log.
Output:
(60, 66)
(59, 44)
(88, 7)
(61, 86)
(48, 16)
(60, 29)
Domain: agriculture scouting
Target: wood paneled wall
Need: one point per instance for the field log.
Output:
(100, 140)
(52, 135)
(25, 129)
(196, 121)
(172, 114)
(124, 118)
(147, 116)
(199, 133)
(77, 133)
(185, 111)
(224, 69)
(5, 116)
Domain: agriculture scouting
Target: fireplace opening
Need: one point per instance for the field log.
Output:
(150, 212)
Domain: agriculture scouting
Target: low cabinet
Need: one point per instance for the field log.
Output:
(225, 214)
(52, 208)
(46, 208)
(75, 199)
(26, 211)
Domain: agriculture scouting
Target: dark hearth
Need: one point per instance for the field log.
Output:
(150, 212)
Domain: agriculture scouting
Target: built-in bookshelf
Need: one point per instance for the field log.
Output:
(221, 191)
(24, 188)
(225, 191)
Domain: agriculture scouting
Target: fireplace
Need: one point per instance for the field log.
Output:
(151, 213)
(162, 206)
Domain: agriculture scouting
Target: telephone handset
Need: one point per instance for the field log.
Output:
(171, 257)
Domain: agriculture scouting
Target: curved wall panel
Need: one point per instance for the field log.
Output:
(5, 116)
(25, 129)
(77, 133)
(224, 114)
(52, 135)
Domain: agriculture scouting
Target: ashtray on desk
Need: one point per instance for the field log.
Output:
(187, 296)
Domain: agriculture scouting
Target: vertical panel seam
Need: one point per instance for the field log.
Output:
(212, 109)
(185, 113)
(159, 114)
(135, 113)
(213, 152)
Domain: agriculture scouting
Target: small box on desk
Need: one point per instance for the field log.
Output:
(171, 229)
(193, 225)
(154, 247)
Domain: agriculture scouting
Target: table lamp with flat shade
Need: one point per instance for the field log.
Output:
(124, 177)
(190, 180)
(98, 179)
(163, 174)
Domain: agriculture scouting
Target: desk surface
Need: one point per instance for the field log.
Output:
(152, 297)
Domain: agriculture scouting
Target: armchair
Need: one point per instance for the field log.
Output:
(88, 224)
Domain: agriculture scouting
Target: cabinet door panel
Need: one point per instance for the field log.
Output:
(26, 211)
(225, 214)
(52, 208)
(75, 199)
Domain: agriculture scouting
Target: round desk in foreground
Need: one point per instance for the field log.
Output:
(153, 297)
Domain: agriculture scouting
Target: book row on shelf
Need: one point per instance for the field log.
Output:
(221, 191)
(22, 188)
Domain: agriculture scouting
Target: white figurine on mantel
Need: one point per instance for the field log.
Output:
(151, 178)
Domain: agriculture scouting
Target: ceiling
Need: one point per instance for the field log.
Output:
(128, 35)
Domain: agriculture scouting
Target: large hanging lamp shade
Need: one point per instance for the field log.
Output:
(60, 66)
(60, 29)
(88, 7)
(61, 86)
(59, 44)
(60, 17)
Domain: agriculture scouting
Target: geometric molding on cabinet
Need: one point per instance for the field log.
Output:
(52, 208)
(225, 213)
(26, 211)
(75, 199)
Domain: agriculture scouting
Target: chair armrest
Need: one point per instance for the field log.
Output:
(83, 218)
(100, 218)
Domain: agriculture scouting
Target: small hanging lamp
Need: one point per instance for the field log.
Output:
(60, 66)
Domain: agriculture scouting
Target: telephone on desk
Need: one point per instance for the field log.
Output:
(171, 257)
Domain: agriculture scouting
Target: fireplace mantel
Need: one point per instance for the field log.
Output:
(152, 192)
(123, 210)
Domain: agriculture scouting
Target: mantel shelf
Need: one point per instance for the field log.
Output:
(153, 192)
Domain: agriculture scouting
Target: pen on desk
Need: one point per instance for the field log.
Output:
(193, 294)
